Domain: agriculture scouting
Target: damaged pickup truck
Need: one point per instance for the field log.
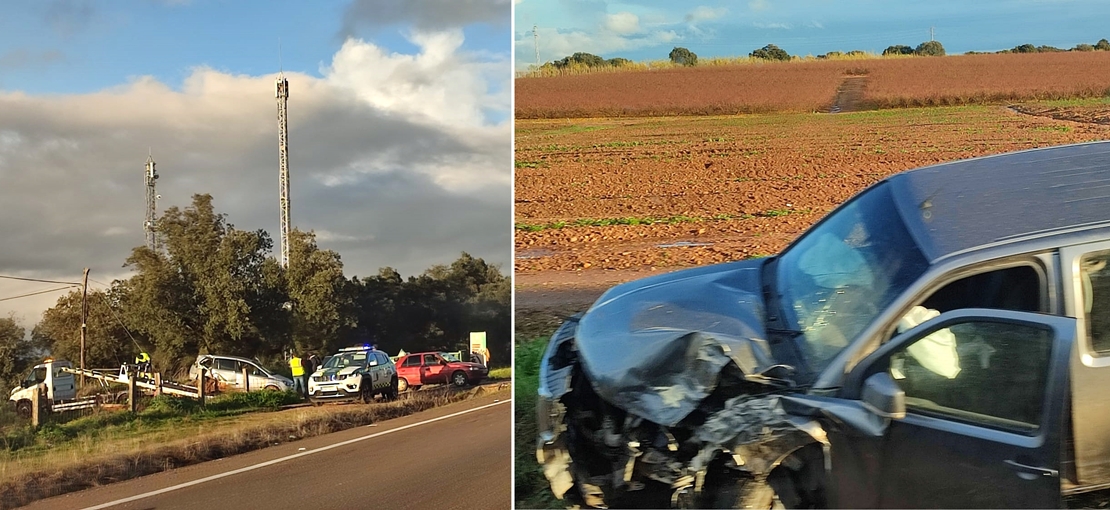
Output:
(940, 340)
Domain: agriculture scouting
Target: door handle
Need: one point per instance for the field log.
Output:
(1033, 469)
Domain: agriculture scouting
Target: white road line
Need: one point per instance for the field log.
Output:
(283, 459)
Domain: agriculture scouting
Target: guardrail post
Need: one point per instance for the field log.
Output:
(157, 383)
(246, 380)
(200, 386)
(36, 406)
(132, 395)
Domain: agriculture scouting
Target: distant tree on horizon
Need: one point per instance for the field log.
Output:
(771, 52)
(683, 56)
(930, 48)
(898, 49)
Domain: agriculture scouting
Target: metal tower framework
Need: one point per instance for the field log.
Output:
(536, 41)
(151, 204)
(281, 90)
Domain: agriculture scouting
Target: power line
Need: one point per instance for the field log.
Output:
(125, 330)
(37, 280)
(37, 293)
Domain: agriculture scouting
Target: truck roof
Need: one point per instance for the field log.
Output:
(963, 205)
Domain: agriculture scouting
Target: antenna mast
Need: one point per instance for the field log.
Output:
(536, 40)
(151, 203)
(281, 90)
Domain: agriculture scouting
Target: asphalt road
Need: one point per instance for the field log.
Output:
(462, 460)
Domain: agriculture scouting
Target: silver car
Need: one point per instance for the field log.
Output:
(229, 370)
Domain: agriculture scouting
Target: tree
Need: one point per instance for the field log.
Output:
(683, 57)
(1024, 48)
(321, 297)
(1103, 45)
(898, 49)
(770, 52)
(580, 59)
(1083, 47)
(16, 353)
(618, 62)
(930, 48)
(106, 344)
(214, 290)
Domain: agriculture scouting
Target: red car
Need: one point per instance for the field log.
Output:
(420, 368)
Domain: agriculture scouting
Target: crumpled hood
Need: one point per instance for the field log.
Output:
(655, 347)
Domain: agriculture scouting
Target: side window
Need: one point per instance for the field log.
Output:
(986, 373)
(1094, 277)
(1019, 288)
(430, 359)
(382, 359)
(227, 364)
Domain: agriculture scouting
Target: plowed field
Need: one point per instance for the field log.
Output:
(600, 200)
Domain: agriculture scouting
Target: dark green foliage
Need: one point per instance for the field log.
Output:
(898, 49)
(683, 56)
(580, 58)
(1083, 47)
(930, 49)
(17, 355)
(1102, 45)
(770, 52)
(618, 62)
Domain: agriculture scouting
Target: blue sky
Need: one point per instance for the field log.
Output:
(399, 128)
(60, 46)
(648, 29)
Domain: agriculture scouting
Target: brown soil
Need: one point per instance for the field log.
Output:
(766, 177)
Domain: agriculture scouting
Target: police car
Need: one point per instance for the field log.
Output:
(354, 373)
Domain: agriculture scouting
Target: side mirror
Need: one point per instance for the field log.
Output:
(882, 396)
(442, 362)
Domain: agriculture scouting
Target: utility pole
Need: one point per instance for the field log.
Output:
(931, 32)
(151, 204)
(84, 320)
(536, 39)
(281, 91)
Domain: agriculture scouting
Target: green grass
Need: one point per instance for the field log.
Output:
(653, 220)
(527, 164)
(501, 373)
(532, 488)
(162, 412)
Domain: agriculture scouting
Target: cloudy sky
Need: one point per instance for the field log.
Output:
(399, 127)
(649, 29)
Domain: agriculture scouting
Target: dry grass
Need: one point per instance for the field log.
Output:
(736, 86)
(69, 471)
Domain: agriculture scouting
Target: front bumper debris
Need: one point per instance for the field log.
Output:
(720, 455)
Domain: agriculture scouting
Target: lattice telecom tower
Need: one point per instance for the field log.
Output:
(281, 90)
(151, 204)
(536, 40)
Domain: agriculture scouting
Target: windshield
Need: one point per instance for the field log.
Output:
(836, 279)
(347, 359)
(449, 356)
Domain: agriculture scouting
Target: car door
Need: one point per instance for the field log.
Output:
(432, 370)
(984, 394)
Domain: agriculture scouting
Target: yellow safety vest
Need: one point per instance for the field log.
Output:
(295, 365)
(142, 358)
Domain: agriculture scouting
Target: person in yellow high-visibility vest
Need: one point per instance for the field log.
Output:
(143, 368)
(297, 367)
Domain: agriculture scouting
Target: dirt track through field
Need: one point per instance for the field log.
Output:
(849, 97)
(601, 201)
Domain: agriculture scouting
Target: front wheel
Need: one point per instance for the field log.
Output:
(459, 379)
(23, 408)
(394, 388)
(271, 388)
(367, 394)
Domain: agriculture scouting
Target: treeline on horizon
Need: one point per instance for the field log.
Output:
(215, 289)
(684, 57)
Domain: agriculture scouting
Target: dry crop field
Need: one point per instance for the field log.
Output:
(812, 85)
(639, 193)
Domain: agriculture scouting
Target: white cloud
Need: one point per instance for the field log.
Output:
(622, 23)
(703, 13)
(772, 26)
(815, 24)
(759, 5)
(410, 150)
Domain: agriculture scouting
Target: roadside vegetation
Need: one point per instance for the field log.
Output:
(532, 489)
(173, 432)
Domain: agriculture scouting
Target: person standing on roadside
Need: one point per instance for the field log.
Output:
(296, 366)
(313, 364)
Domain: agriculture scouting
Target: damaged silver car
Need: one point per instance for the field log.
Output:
(940, 340)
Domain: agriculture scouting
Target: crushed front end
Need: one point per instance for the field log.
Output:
(694, 419)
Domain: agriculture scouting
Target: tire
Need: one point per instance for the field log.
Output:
(459, 379)
(271, 387)
(402, 385)
(367, 394)
(23, 408)
(392, 391)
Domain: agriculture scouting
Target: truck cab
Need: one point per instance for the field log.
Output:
(942, 339)
(58, 385)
